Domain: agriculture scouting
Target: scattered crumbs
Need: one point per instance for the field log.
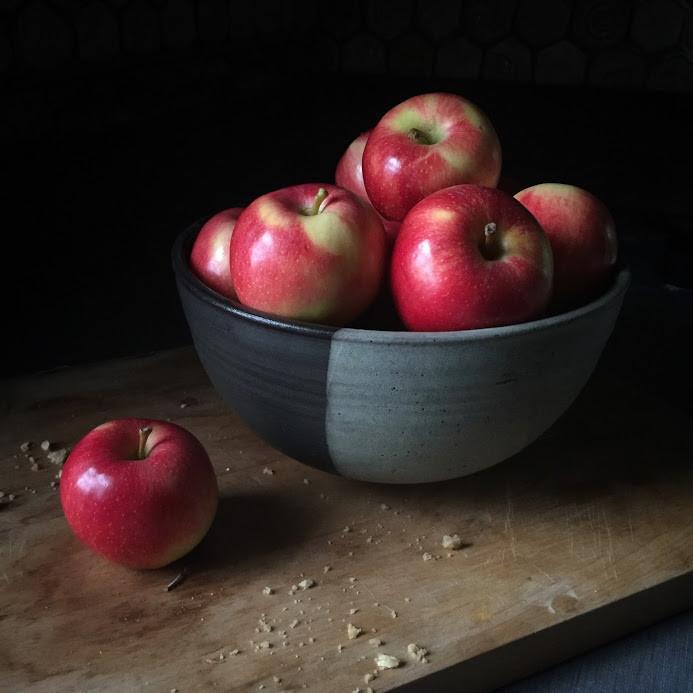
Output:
(25, 446)
(452, 542)
(353, 611)
(353, 631)
(427, 556)
(267, 591)
(306, 481)
(340, 647)
(263, 645)
(346, 529)
(326, 568)
(45, 445)
(384, 506)
(376, 642)
(418, 654)
(268, 471)
(306, 584)
(263, 626)
(386, 661)
(57, 456)
(294, 623)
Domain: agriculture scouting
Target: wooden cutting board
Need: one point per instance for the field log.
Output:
(586, 535)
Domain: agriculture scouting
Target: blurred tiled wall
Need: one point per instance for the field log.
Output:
(56, 52)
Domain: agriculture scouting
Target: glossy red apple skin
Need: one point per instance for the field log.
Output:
(209, 258)
(583, 240)
(441, 280)
(349, 175)
(399, 170)
(325, 268)
(139, 513)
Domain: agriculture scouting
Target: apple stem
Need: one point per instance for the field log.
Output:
(317, 202)
(419, 136)
(144, 434)
(490, 237)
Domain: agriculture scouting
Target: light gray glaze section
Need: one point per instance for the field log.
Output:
(403, 409)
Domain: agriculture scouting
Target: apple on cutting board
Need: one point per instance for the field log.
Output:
(469, 257)
(140, 492)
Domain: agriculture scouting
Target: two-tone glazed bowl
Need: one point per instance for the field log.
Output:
(394, 406)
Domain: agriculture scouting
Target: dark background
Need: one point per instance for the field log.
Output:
(123, 121)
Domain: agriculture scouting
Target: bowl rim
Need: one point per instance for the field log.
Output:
(180, 255)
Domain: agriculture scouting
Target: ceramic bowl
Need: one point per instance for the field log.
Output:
(394, 406)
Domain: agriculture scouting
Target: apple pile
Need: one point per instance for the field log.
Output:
(416, 201)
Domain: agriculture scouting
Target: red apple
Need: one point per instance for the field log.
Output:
(424, 144)
(308, 252)
(469, 257)
(209, 258)
(138, 491)
(349, 175)
(582, 236)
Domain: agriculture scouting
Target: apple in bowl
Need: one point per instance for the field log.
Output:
(469, 257)
(424, 144)
(209, 258)
(308, 252)
(582, 236)
(140, 492)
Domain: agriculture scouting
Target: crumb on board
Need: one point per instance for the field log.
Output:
(368, 677)
(427, 556)
(264, 627)
(340, 647)
(267, 591)
(326, 568)
(376, 642)
(268, 471)
(45, 445)
(417, 653)
(353, 611)
(262, 645)
(25, 446)
(384, 506)
(386, 661)
(306, 584)
(58, 456)
(294, 623)
(346, 529)
(452, 542)
(353, 631)
(306, 481)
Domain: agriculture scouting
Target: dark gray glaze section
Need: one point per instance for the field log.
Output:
(409, 408)
(272, 374)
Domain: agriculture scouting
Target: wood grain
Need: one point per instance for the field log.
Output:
(563, 543)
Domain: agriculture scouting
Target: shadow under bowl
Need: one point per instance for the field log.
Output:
(394, 406)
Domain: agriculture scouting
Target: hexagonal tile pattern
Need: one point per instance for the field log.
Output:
(459, 59)
(212, 20)
(97, 32)
(389, 18)
(140, 28)
(178, 23)
(562, 63)
(657, 24)
(617, 67)
(42, 38)
(600, 23)
(508, 61)
(411, 56)
(341, 18)
(364, 53)
(438, 19)
(672, 73)
(542, 22)
(488, 20)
